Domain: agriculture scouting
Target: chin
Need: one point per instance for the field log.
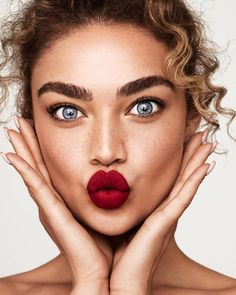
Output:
(114, 229)
(111, 231)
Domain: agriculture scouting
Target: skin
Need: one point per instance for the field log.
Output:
(107, 137)
(148, 152)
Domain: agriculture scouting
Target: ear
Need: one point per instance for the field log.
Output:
(192, 123)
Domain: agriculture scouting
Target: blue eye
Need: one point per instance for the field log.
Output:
(63, 112)
(148, 107)
(67, 112)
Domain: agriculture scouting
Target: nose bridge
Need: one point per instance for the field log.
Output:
(106, 130)
(107, 140)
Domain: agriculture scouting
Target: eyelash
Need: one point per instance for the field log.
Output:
(53, 108)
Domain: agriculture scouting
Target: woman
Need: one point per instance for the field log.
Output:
(109, 179)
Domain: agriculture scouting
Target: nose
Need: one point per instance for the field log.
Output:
(107, 143)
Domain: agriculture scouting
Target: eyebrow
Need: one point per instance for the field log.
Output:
(78, 92)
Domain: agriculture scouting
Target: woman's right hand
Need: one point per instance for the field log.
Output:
(88, 253)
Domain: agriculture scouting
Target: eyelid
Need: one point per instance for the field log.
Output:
(55, 107)
(148, 98)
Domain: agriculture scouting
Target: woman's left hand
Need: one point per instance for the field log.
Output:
(136, 260)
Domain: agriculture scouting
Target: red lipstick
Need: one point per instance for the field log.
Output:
(108, 190)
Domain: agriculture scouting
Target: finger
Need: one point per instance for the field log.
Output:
(64, 226)
(197, 159)
(36, 184)
(29, 136)
(20, 147)
(160, 222)
(175, 208)
(158, 228)
(194, 143)
(67, 231)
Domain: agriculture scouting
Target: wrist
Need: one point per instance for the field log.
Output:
(90, 288)
(129, 289)
(128, 293)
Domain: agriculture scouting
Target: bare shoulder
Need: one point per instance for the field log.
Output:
(167, 290)
(52, 277)
(9, 286)
(188, 277)
(212, 283)
(15, 285)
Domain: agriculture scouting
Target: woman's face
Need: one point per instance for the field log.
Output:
(107, 131)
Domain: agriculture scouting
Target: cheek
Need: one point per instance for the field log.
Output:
(62, 156)
(157, 161)
(168, 156)
(153, 150)
(153, 156)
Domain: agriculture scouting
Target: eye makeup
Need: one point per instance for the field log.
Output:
(52, 110)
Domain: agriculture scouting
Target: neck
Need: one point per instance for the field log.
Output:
(172, 261)
(117, 240)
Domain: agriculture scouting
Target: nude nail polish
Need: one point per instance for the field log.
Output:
(6, 133)
(214, 146)
(5, 158)
(204, 136)
(211, 167)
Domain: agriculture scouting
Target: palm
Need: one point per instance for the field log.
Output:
(137, 258)
(88, 252)
(102, 242)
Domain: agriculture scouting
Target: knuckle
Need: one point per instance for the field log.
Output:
(40, 185)
(55, 204)
(27, 168)
(165, 214)
(191, 181)
(207, 145)
(184, 203)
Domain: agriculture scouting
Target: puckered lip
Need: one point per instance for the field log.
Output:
(107, 180)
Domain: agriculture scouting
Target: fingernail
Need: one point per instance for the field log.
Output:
(6, 133)
(204, 136)
(214, 146)
(16, 122)
(211, 167)
(5, 158)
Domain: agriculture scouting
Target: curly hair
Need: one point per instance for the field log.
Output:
(192, 60)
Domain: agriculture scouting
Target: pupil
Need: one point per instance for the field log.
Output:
(145, 107)
(68, 112)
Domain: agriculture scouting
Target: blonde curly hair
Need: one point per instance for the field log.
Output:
(191, 63)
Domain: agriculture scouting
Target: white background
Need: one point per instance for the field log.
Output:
(206, 232)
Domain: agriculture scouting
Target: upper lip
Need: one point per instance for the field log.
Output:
(111, 179)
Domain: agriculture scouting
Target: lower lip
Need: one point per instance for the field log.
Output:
(109, 199)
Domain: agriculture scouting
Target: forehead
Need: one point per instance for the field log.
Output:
(101, 52)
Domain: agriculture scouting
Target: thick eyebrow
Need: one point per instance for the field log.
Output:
(78, 92)
(142, 84)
